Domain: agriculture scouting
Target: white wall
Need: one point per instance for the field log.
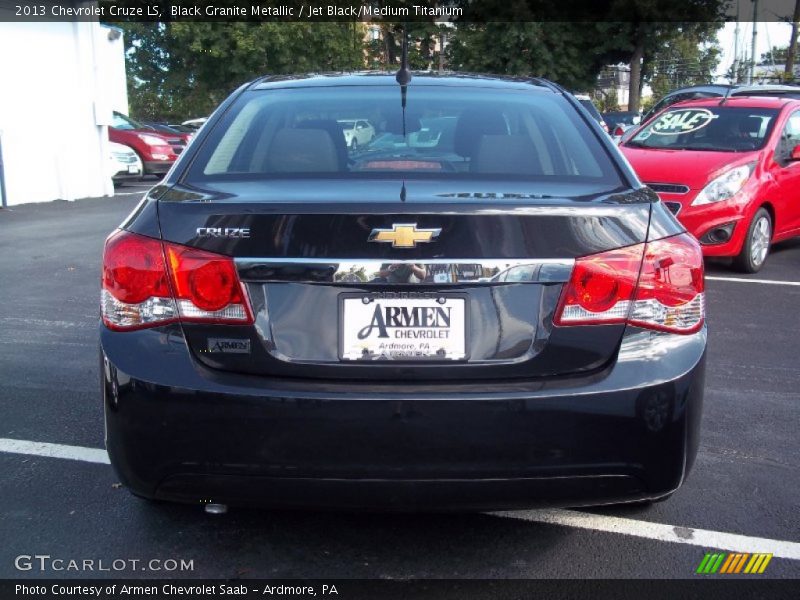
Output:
(60, 82)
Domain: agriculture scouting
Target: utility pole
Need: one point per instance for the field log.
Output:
(753, 44)
(736, 33)
(441, 50)
(791, 53)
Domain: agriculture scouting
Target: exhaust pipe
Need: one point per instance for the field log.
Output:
(216, 509)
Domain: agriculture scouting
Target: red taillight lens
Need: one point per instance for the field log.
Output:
(601, 287)
(133, 268)
(138, 285)
(671, 291)
(206, 286)
(658, 285)
(618, 131)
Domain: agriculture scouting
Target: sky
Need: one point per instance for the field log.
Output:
(769, 34)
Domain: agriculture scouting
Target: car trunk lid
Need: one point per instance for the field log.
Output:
(317, 277)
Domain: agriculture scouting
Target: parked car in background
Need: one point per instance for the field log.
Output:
(587, 103)
(291, 322)
(155, 150)
(357, 132)
(171, 132)
(181, 128)
(123, 163)
(717, 91)
(728, 169)
(195, 124)
(621, 121)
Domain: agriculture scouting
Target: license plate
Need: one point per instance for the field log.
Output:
(133, 169)
(383, 327)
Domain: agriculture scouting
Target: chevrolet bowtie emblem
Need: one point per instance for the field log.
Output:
(404, 235)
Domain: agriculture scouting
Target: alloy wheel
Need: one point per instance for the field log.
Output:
(759, 240)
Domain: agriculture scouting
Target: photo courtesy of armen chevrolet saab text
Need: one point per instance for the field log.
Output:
(427, 292)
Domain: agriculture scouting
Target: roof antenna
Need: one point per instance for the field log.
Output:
(403, 76)
(727, 94)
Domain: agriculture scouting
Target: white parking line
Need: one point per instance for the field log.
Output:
(744, 280)
(659, 531)
(92, 455)
(566, 518)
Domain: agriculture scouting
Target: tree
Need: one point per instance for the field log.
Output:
(776, 55)
(792, 50)
(182, 69)
(571, 54)
(687, 55)
(644, 28)
(384, 53)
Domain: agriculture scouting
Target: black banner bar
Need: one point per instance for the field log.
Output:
(120, 11)
(734, 588)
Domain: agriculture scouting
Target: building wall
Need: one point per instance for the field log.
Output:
(61, 82)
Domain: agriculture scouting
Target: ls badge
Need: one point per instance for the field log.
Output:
(404, 235)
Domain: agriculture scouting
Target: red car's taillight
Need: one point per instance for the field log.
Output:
(658, 285)
(147, 283)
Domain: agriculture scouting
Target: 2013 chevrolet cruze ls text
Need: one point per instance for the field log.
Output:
(491, 311)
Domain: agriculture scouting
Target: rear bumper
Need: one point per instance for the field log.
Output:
(179, 431)
(125, 176)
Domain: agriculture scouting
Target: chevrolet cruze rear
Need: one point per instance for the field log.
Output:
(480, 307)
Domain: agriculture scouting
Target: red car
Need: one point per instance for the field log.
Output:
(156, 150)
(729, 169)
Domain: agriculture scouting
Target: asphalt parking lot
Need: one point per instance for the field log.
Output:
(742, 495)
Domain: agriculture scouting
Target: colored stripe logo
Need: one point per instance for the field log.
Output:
(733, 562)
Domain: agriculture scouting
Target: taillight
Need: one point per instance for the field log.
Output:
(671, 291)
(618, 131)
(658, 285)
(206, 286)
(147, 283)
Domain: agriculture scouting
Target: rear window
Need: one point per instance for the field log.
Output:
(712, 128)
(363, 132)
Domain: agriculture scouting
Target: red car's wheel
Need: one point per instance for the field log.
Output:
(756, 245)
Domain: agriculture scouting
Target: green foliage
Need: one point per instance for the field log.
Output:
(185, 69)
(384, 54)
(777, 55)
(569, 53)
(741, 72)
(649, 102)
(606, 102)
(687, 54)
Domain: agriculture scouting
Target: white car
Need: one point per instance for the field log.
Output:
(123, 163)
(357, 132)
(195, 123)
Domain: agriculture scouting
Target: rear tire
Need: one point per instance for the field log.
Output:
(756, 243)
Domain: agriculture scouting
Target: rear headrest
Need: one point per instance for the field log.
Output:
(750, 125)
(334, 129)
(506, 154)
(302, 151)
(472, 124)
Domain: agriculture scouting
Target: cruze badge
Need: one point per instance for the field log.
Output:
(227, 232)
(404, 235)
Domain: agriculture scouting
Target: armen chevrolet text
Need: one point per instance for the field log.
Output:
(479, 307)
